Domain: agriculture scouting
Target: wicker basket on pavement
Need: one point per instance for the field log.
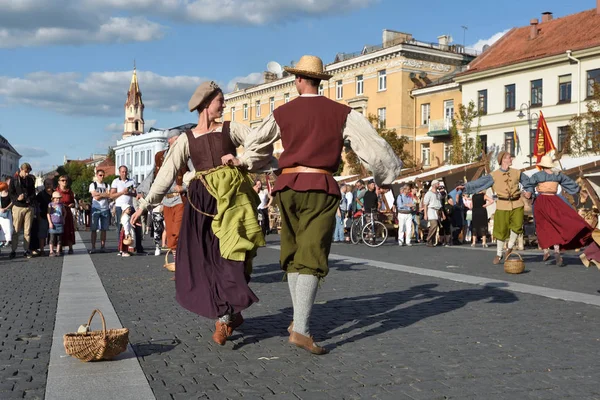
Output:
(96, 345)
(169, 265)
(513, 266)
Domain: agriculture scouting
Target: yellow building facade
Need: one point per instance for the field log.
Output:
(435, 106)
(375, 81)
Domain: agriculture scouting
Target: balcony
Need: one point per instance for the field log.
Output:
(439, 127)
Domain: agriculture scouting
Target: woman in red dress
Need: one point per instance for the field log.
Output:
(68, 199)
(556, 223)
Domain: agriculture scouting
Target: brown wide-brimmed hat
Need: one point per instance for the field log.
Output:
(202, 93)
(546, 162)
(310, 66)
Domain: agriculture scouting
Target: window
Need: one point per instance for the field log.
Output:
(233, 113)
(448, 110)
(321, 89)
(359, 85)
(286, 98)
(447, 152)
(425, 108)
(382, 81)
(589, 145)
(339, 90)
(257, 108)
(271, 104)
(509, 97)
(532, 134)
(482, 101)
(593, 77)
(128, 163)
(536, 93)
(143, 159)
(381, 117)
(509, 142)
(564, 89)
(245, 111)
(137, 158)
(563, 137)
(148, 155)
(483, 141)
(425, 153)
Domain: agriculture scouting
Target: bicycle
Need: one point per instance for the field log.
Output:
(367, 229)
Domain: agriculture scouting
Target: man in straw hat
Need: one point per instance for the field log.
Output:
(312, 129)
(508, 218)
(557, 224)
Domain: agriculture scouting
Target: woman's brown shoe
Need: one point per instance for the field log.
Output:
(307, 343)
(222, 332)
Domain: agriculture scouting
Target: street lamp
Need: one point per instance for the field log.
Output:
(530, 118)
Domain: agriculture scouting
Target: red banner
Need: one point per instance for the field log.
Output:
(543, 141)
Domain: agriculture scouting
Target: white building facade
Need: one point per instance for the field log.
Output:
(137, 152)
(512, 93)
(9, 158)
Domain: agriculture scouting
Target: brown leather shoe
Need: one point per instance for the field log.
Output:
(307, 343)
(222, 332)
(546, 256)
(497, 260)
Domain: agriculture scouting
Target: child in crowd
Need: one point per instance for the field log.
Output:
(56, 221)
(126, 236)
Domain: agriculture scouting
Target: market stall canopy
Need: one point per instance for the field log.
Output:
(449, 173)
(572, 165)
(345, 178)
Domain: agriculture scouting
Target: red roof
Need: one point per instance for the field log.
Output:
(573, 32)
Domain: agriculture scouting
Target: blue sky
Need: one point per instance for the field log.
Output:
(65, 65)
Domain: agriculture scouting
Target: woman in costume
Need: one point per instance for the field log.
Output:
(67, 197)
(220, 234)
(557, 224)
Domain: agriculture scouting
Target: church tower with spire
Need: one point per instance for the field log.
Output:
(134, 109)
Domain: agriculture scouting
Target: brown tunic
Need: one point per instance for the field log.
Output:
(206, 150)
(315, 141)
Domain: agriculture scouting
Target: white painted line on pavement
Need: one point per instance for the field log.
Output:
(81, 292)
(557, 294)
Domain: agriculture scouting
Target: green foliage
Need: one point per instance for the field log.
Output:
(80, 177)
(110, 154)
(583, 136)
(466, 147)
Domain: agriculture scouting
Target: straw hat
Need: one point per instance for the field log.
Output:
(202, 93)
(501, 156)
(310, 66)
(546, 162)
(56, 195)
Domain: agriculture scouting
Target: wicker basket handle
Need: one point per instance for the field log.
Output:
(167, 256)
(103, 321)
(514, 254)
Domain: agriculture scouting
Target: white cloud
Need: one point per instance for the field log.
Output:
(44, 22)
(114, 127)
(31, 151)
(252, 78)
(490, 41)
(97, 94)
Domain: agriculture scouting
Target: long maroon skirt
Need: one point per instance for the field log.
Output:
(68, 238)
(557, 223)
(206, 283)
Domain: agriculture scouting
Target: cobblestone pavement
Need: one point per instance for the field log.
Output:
(28, 297)
(392, 335)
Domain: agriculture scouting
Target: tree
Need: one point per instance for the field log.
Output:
(466, 147)
(583, 132)
(110, 154)
(397, 143)
(80, 177)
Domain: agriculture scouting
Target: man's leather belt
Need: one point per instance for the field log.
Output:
(171, 195)
(514, 198)
(309, 170)
(404, 212)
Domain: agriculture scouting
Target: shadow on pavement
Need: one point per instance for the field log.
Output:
(353, 318)
(143, 349)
